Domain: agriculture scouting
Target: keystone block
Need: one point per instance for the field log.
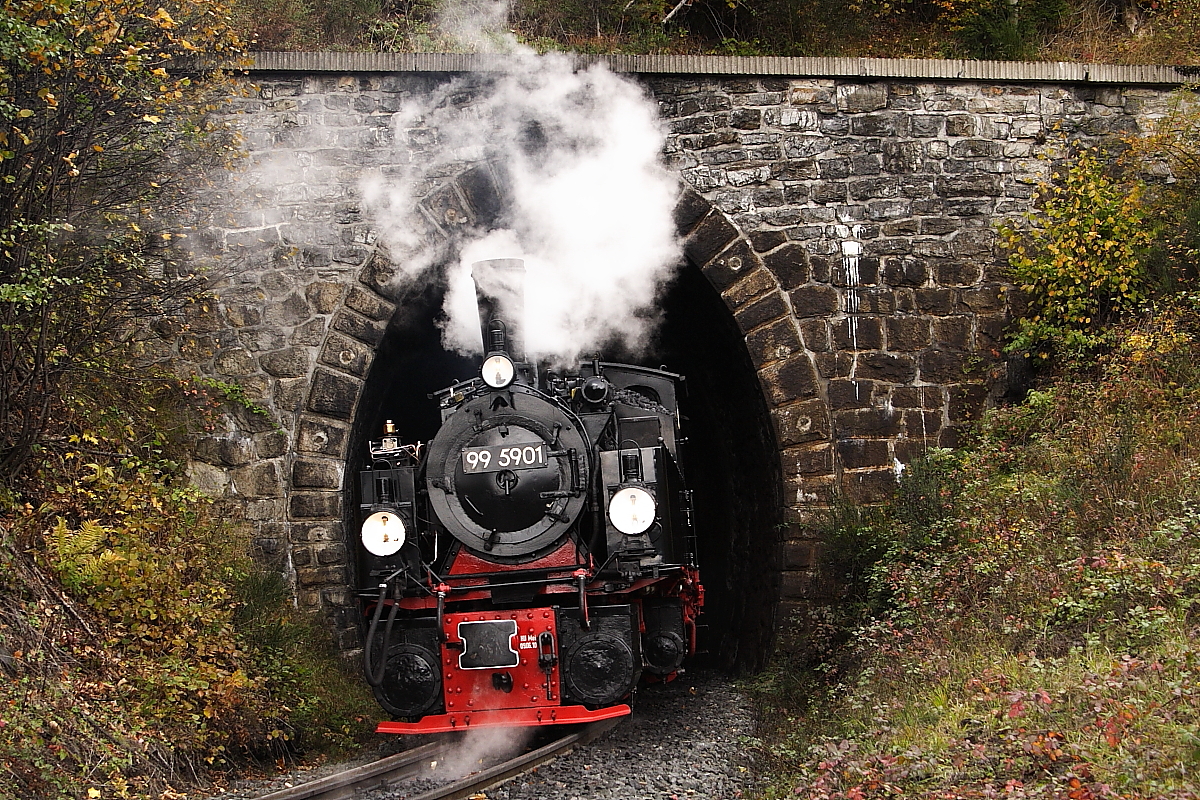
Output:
(481, 193)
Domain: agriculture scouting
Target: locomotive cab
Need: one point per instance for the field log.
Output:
(529, 563)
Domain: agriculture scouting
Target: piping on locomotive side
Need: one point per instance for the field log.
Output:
(536, 559)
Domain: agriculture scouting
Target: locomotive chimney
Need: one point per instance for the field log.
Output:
(500, 295)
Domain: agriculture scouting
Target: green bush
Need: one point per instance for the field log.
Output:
(1035, 599)
(1007, 30)
(101, 134)
(150, 651)
(1082, 260)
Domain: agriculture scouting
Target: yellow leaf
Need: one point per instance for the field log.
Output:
(153, 120)
(163, 18)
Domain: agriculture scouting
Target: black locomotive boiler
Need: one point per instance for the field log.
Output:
(536, 559)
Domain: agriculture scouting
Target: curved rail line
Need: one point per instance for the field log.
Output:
(386, 772)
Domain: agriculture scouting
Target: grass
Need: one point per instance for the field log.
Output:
(1021, 620)
(142, 652)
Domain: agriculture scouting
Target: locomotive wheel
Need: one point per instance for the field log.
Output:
(664, 651)
(412, 682)
(598, 669)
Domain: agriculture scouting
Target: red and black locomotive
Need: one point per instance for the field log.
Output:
(536, 559)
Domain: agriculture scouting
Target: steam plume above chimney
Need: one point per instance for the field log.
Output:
(588, 200)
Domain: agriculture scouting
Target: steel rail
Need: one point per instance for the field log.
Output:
(386, 771)
(349, 782)
(485, 779)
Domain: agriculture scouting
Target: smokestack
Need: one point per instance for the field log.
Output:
(500, 295)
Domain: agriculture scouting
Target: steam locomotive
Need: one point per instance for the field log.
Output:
(536, 559)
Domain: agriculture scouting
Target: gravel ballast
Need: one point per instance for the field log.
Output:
(685, 739)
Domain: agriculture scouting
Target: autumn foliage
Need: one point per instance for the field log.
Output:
(102, 110)
(141, 649)
(1021, 621)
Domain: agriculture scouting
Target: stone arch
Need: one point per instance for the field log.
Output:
(319, 482)
(861, 363)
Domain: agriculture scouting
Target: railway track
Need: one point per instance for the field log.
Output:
(390, 773)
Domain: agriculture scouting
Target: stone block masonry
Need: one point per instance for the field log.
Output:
(848, 223)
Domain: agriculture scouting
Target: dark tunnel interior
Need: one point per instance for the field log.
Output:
(730, 458)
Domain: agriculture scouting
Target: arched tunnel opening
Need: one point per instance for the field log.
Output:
(730, 460)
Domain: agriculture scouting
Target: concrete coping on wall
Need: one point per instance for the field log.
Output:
(902, 68)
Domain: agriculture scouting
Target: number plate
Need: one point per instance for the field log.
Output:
(488, 645)
(498, 457)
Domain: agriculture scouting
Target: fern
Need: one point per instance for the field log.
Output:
(78, 555)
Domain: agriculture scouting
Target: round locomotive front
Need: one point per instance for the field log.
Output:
(507, 473)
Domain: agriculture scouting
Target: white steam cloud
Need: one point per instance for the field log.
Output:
(588, 201)
(479, 749)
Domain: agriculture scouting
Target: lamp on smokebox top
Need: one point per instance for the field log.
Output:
(498, 370)
(500, 298)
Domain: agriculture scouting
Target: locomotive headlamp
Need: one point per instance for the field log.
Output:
(631, 510)
(383, 533)
(498, 371)
(595, 389)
